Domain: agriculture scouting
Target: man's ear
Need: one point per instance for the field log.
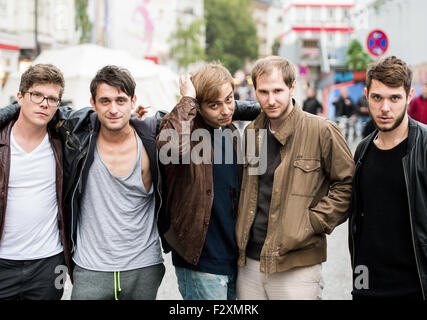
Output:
(19, 97)
(92, 103)
(410, 95)
(292, 89)
(134, 101)
(365, 92)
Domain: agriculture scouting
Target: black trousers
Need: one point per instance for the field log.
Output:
(31, 279)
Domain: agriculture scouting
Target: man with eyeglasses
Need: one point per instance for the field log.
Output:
(33, 236)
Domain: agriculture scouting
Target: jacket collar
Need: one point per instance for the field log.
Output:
(287, 127)
(412, 132)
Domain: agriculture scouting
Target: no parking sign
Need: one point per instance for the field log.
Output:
(377, 43)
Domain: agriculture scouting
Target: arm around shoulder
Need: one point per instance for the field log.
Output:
(246, 110)
(8, 113)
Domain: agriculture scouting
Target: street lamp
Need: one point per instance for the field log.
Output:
(36, 13)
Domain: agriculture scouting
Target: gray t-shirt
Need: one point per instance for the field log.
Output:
(117, 229)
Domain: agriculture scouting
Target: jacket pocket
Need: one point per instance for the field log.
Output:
(306, 177)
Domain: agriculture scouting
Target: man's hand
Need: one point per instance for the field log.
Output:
(186, 86)
(141, 112)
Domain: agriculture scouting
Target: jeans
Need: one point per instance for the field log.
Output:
(30, 279)
(195, 285)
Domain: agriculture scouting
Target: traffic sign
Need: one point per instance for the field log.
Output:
(377, 43)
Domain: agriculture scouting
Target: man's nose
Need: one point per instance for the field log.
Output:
(44, 103)
(385, 106)
(226, 109)
(270, 99)
(113, 107)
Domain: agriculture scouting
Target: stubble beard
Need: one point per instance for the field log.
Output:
(395, 124)
(282, 114)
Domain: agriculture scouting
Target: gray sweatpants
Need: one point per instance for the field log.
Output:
(138, 284)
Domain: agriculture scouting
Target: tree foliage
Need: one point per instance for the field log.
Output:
(82, 21)
(356, 58)
(187, 42)
(231, 35)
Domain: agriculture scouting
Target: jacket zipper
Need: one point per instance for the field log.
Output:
(352, 219)
(74, 192)
(158, 182)
(412, 230)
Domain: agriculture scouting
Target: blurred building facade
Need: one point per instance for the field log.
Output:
(141, 27)
(315, 35)
(55, 29)
(267, 15)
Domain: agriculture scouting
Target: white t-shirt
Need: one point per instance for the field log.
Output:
(31, 225)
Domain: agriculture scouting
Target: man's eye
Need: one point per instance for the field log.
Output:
(53, 100)
(213, 106)
(377, 97)
(395, 98)
(37, 95)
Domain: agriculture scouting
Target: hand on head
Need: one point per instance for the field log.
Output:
(186, 86)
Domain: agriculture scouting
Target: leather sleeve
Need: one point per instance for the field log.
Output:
(8, 113)
(176, 127)
(246, 110)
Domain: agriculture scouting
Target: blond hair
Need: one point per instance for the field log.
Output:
(269, 64)
(209, 79)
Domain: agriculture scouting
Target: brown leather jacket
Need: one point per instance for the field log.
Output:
(4, 182)
(189, 187)
(311, 192)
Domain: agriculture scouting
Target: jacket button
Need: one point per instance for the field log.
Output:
(209, 192)
(252, 212)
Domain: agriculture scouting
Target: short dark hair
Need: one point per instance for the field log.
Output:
(117, 77)
(42, 74)
(391, 71)
(269, 64)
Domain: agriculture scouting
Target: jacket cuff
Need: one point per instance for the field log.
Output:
(315, 223)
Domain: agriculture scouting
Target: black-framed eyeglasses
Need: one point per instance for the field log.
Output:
(38, 98)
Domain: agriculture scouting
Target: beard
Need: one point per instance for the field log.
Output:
(396, 123)
(284, 110)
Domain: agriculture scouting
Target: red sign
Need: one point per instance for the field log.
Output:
(154, 59)
(377, 43)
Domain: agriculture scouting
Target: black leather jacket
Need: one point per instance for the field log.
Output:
(415, 171)
(78, 130)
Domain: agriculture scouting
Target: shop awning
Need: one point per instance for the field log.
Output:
(4, 46)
